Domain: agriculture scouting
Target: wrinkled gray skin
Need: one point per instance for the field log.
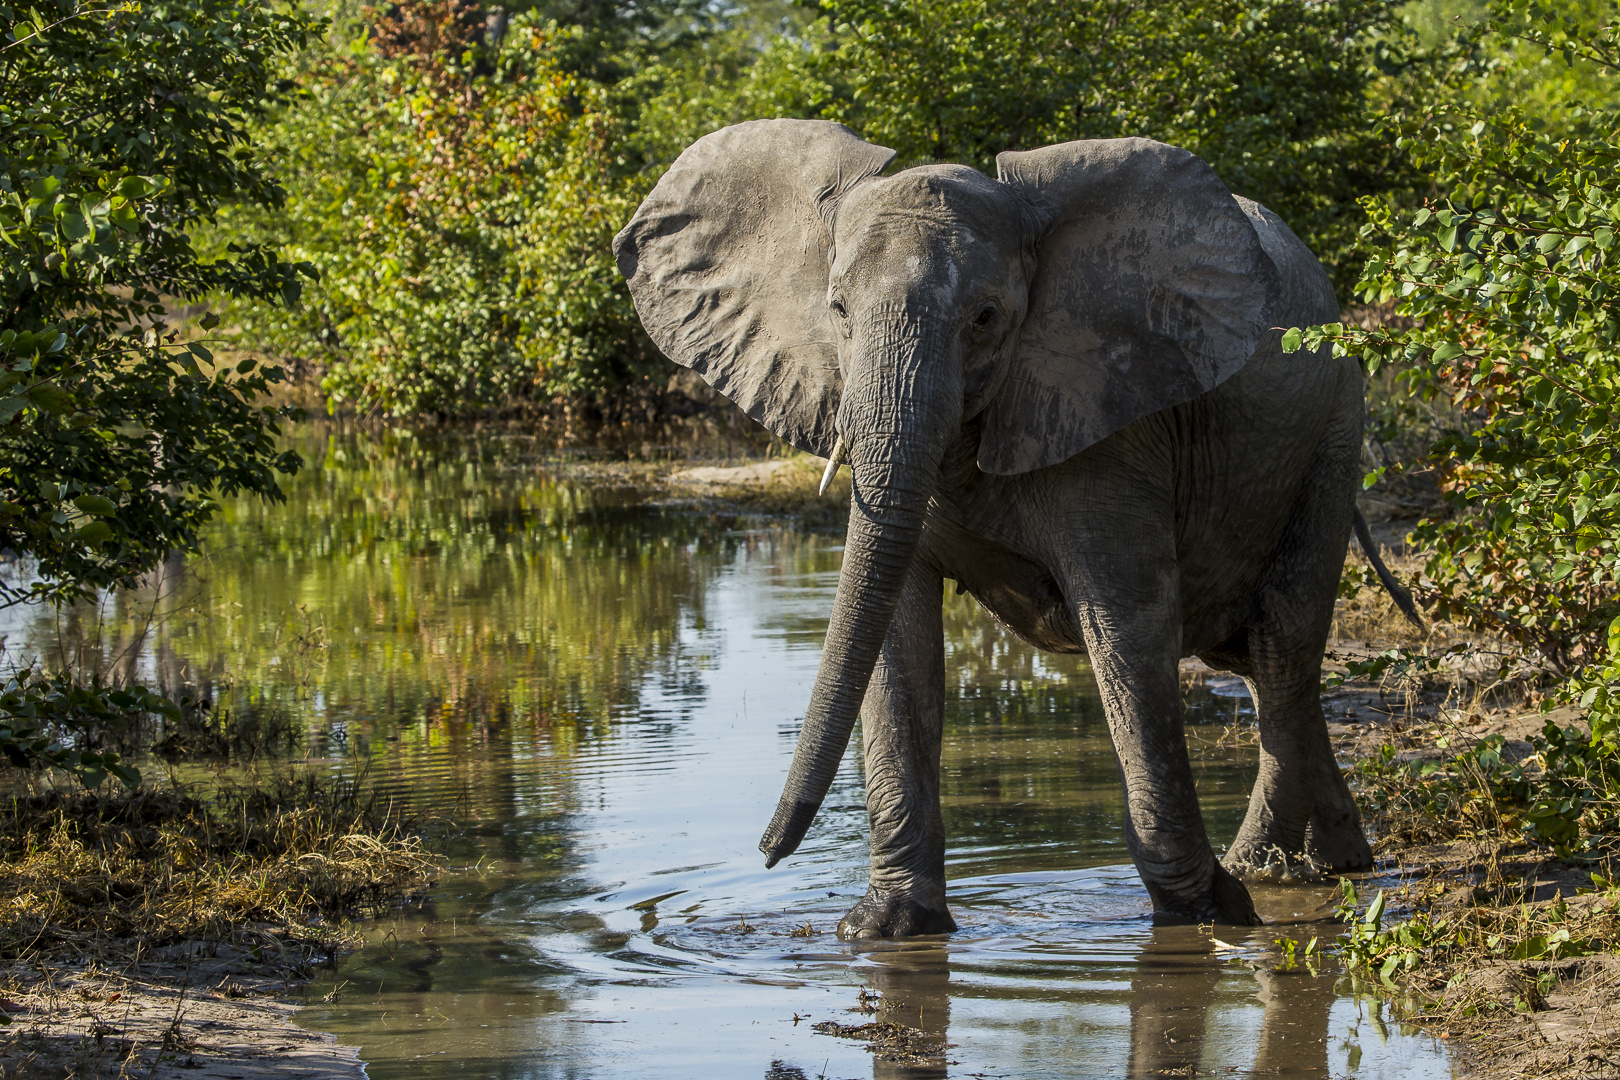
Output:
(1063, 390)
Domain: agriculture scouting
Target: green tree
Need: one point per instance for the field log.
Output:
(459, 197)
(123, 129)
(1500, 296)
(1275, 95)
(1500, 290)
(1511, 62)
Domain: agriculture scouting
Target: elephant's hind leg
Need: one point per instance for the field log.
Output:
(1302, 819)
(901, 728)
(1301, 816)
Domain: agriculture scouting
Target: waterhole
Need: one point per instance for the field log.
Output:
(597, 691)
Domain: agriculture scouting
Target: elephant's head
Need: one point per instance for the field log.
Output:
(1093, 283)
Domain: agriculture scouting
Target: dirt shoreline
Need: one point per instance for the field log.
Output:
(201, 1011)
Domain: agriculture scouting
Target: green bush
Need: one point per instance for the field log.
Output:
(458, 193)
(123, 130)
(1275, 95)
(1500, 295)
(459, 202)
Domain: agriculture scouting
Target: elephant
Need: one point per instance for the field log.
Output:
(1064, 390)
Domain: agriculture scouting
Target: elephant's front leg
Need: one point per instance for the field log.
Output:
(1131, 619)
(901, 724)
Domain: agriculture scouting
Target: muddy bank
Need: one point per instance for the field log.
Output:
(163, 929)
(206, 1011)
(785, 487)
(1489, 940)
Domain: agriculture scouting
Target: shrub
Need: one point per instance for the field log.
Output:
(459, 199)
(1501, 296)
(123, 130)
(1275, 95)
(459, 189)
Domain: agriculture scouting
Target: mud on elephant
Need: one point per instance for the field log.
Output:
(1063, 389)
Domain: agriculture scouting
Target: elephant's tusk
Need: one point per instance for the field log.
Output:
(840, 452)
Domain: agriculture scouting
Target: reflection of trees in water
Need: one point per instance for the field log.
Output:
(443, 605)
(1027, 751)
(1026, 746)
(417, 580)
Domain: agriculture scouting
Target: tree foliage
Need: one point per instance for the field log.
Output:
(458, 198)
(1275, 94)
(1502, 291)
(457, 179)
(122, 129)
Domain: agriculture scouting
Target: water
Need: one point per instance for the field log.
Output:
(603, 692)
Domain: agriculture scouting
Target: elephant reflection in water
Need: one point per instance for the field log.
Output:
(1171, 998)
(1175, 988)
(915, 987)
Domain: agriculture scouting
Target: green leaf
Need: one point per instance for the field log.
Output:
(96, 532)
(1291, 339)
(50, 397)
(96, 504)
(1375, 911)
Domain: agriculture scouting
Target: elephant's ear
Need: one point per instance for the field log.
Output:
(727, 260)
(1151, 287)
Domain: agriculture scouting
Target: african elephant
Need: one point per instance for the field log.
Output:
(1063, 389)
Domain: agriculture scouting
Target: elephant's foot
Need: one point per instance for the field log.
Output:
(1227, 901)
(1333, 844)
(1334, 839)
(1338, 847)
(885, 915)
(1260, 860)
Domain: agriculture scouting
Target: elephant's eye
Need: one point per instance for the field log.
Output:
(985, 317)
(838, 309)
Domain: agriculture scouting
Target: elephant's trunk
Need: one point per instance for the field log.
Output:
(898, 412)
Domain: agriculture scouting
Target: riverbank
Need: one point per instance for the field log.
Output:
(1485, 933)
(162, 930)
(201, 1010)
(1499, 924)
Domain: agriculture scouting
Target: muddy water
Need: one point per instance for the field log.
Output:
(602, 692)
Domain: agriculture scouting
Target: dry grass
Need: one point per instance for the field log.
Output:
(88, 875)
(778, 486)
(159, 926)
(1371, 615)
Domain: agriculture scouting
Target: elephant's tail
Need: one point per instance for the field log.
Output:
(1402, 598)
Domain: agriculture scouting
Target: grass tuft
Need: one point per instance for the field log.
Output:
(91, 875)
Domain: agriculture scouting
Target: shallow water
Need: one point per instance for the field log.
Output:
(603, 692)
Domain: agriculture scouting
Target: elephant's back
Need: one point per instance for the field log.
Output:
(1305, 295)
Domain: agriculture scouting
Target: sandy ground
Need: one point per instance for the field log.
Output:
(203, 1012)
